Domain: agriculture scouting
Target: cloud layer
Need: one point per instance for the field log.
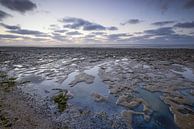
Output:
(78, 23)
(163, 23)
(185, 25)
(3, 15)
(131, 21)
(21, 6)
(189, 4)
(19, 30)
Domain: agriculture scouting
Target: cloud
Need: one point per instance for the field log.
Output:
(21, 6)
(17, 30)
(163, 23)
(98, 33)
(60, 31)
(3, 15)
(28, 32)
(59, 37)
(189, 4)
(118, 36)
(164, 5)
(185, 25)
(78, 23)
(131, 21)
(10, 27)
(112, 28)
(164, 35)
(8, 36)
(160, 31)
(94, 27)
(74, 33)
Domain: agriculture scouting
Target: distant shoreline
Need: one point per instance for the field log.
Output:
(122, 46)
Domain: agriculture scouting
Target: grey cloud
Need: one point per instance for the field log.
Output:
(8, 36)
(28, 32)
(185, 25)
(112, 28)
(60, 31)
(164, 5)
(19, 5)
(59, 37)
(90, 36)
(118, 36)
(160, 31)
(10, 27)
(163, 23)
(74, 33)
(162, 35)
(98, 33)
(3, 15)
(78, 23)
(94, 27)
(18, 30)
(164, 39)
(189, 4)
(131, 21)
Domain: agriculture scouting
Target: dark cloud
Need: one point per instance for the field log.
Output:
(164, 35)
(164, 5)
(3, 15)
(90, 36)
(19, 30)
(160, 31)
(112, 28)
(118, 36)
(8, 36)
(78, 23)
(74, 33)
(10, 27)
(28, 32)
(98, 33)
(131, 21)
(59, 37)
(60, 31)
(94, 27)
(163, 23)
(19, 5)
(185, 25)
(162, 39)
(189, 4)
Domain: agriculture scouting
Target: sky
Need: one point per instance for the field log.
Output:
(96, 22)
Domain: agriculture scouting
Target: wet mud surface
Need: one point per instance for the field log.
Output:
(92, 88)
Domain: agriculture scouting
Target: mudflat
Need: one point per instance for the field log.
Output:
(96, 88)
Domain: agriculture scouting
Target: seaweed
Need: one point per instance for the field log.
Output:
(7, 83)
(61, 100)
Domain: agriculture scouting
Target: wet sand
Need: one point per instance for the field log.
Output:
(97, 88)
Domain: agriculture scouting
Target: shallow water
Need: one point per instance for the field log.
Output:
(82, 94)
(44, 82)
(188, 95)
(187, 73)
(161, 117)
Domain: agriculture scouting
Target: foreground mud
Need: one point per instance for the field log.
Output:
(51, 88)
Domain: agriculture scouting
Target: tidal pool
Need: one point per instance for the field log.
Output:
(187, 73)
(161, 117)
(82, 93)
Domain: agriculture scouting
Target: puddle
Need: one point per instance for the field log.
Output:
(188, 95)
(186, 73)
(161, 117)
(82, 93)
